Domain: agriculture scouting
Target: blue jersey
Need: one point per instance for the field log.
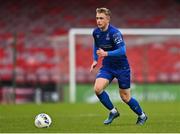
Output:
(115, 64)
(111, 41)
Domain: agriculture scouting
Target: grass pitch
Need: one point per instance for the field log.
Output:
(88, 118)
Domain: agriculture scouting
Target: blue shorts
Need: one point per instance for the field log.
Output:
(122, 75)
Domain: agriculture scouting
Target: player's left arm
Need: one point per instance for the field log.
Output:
(118, 41)
(118, 52)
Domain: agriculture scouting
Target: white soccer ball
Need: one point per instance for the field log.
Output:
(42, 120)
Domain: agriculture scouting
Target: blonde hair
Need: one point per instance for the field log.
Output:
(104, 10)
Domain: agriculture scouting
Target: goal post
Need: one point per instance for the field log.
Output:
(72, 56)
(88, 31)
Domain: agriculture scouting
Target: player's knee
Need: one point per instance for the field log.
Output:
(97, 89)
(125, 97)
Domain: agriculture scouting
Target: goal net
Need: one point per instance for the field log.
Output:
(153, 54)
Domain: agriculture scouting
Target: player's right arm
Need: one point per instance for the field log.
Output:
(95, 58)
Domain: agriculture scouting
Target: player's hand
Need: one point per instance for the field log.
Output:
(101, 53)
(93, 65)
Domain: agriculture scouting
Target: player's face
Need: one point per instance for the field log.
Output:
(102, 20)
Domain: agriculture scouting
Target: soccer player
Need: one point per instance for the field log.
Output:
(109, 44)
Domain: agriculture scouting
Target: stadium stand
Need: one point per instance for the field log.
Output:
(36, 24)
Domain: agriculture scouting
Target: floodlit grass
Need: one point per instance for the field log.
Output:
(88, 118)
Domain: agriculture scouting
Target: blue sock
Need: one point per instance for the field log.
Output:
(104, 99)
(134, 105)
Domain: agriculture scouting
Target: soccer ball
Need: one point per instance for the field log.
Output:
(42, 120)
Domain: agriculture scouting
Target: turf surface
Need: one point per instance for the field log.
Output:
(88, 118)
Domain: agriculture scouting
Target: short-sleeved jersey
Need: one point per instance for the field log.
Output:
(110, 40)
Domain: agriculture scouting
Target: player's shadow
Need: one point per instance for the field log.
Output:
(124, 124)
